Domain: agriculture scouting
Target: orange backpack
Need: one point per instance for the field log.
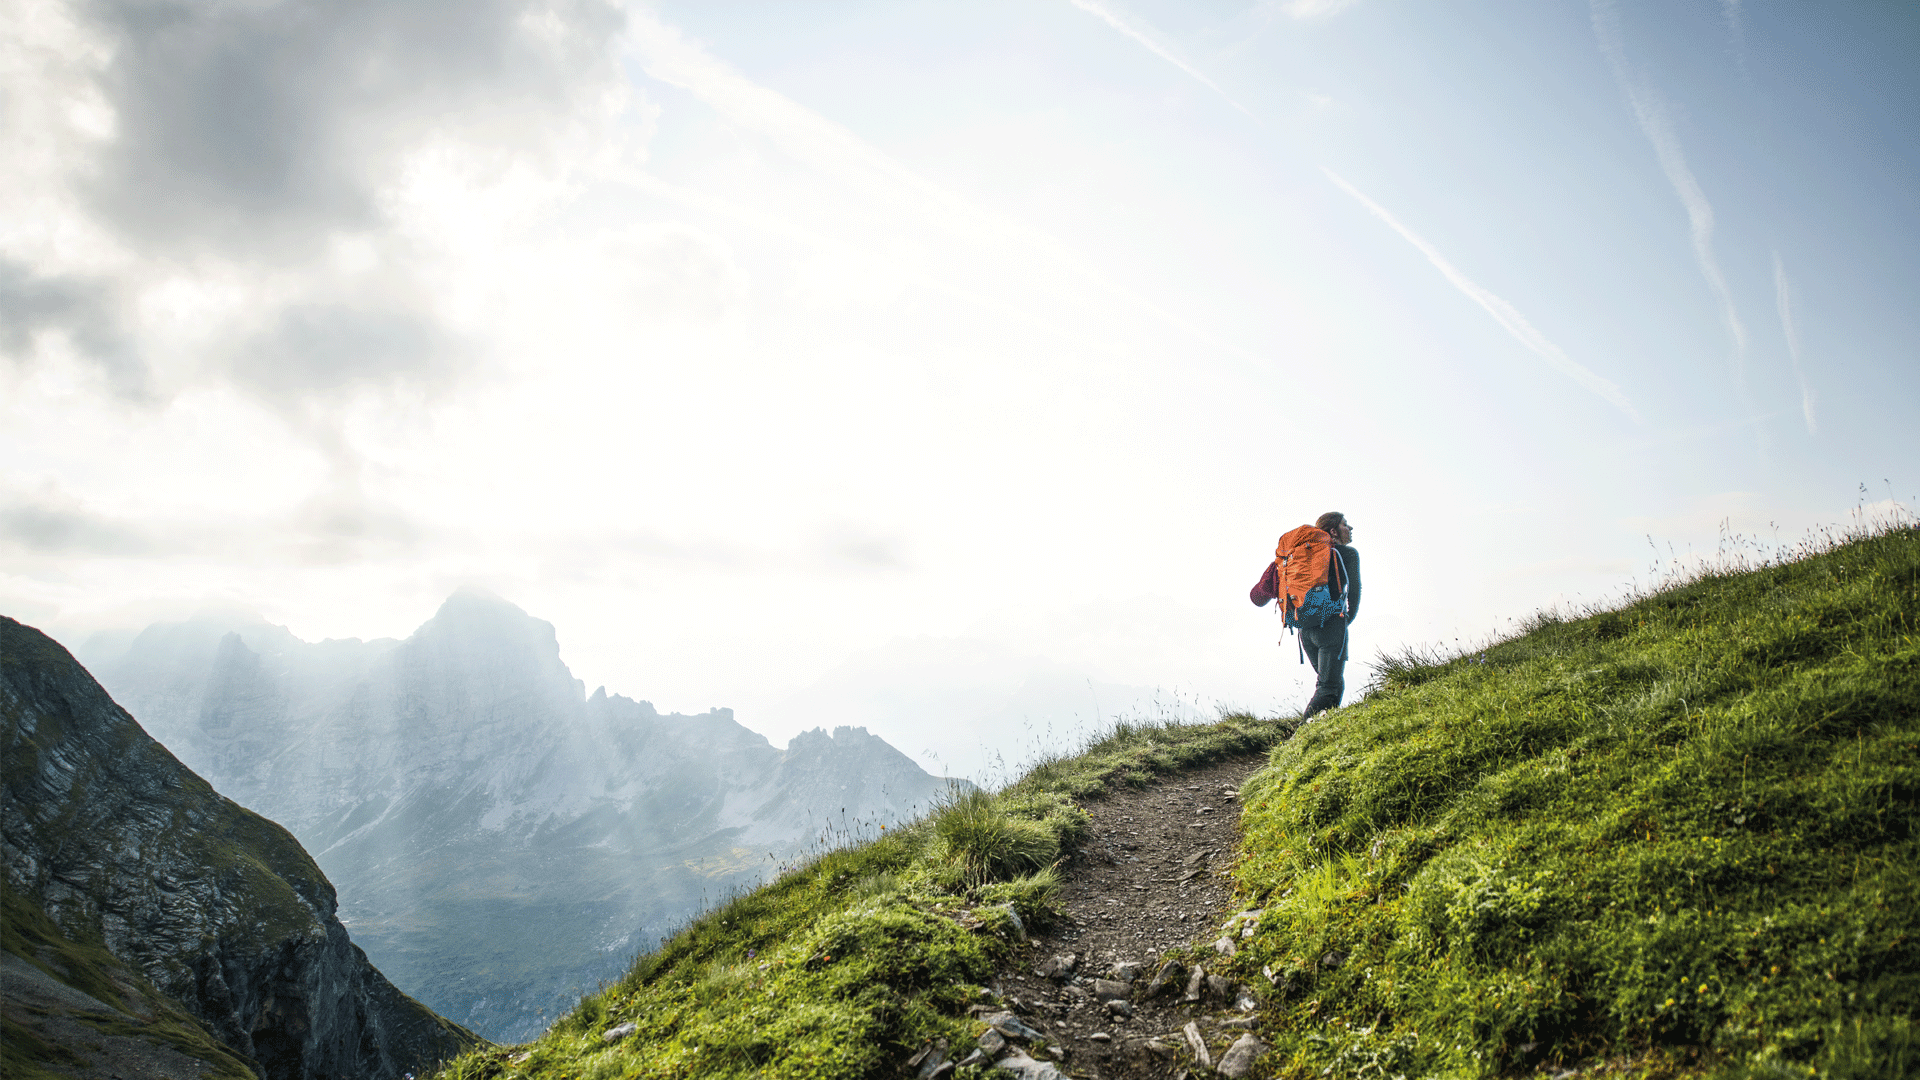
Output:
(1307, 576)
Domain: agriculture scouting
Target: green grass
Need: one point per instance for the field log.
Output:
(846, 966)
(26, 1056)
(1134, 753)
(1679, 834)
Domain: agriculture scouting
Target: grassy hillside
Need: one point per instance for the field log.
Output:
(844, 967)
(1678, 835)
(1674, 839)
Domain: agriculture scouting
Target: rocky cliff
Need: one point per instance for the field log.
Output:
(115, 842)
(502, 840)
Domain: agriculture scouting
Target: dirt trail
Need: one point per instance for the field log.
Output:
(1146, 880)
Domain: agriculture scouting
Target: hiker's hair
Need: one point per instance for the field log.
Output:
(1330, 520)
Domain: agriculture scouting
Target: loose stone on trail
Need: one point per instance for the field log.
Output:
(1237, 1062)
(1019, 928)
(1026, 1068)
(932, 1060)
(1009, 1025)
(1197, 1044)
(1170, 974)
(1059, 967)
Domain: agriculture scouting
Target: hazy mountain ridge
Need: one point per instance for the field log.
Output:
(109, 839)
(501, 839)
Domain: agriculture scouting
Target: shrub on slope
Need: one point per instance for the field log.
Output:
(1679, 833)
(846, 966)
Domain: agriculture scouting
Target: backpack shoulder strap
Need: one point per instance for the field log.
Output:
(1339, 564)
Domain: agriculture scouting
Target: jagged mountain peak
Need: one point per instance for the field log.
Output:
(474, 611)
(478, 631)
(620, 705)
(843, 737)
(470, 597)
(203, 631)
(844, 746)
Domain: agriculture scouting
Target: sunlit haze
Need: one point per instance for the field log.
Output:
(944, 368)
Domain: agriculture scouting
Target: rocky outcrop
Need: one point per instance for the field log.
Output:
(218, 908)
(502, 840)
(71, 1007)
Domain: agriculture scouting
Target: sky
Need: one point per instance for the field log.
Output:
(944, 368)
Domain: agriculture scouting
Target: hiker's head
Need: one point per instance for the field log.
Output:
(1334, 523)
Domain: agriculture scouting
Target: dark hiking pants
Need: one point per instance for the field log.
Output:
(1326, 650)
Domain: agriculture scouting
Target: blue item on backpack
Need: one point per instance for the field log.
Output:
(1321, 603)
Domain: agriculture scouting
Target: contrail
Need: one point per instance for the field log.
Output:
(1503, 313)
(1736, 29)
(1652, 115)
(1784, 296)
(1092, 7)
(1315, 9)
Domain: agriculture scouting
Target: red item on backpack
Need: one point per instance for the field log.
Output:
(1267, 589)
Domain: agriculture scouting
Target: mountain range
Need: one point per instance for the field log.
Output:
(501, 840)
(156, 929)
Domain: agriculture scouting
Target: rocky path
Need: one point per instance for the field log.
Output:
(1097, 990)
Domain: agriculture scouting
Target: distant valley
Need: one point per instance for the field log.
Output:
(501, 840)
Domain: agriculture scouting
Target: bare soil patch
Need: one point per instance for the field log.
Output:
(1148, 880)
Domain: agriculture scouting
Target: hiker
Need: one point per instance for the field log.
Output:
(1326, 645)
(1315, 575)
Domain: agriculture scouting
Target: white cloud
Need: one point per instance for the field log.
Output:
(209, 199)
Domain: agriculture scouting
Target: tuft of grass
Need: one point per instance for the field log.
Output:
(846, 965)
(980, 841)
(1678, 836)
